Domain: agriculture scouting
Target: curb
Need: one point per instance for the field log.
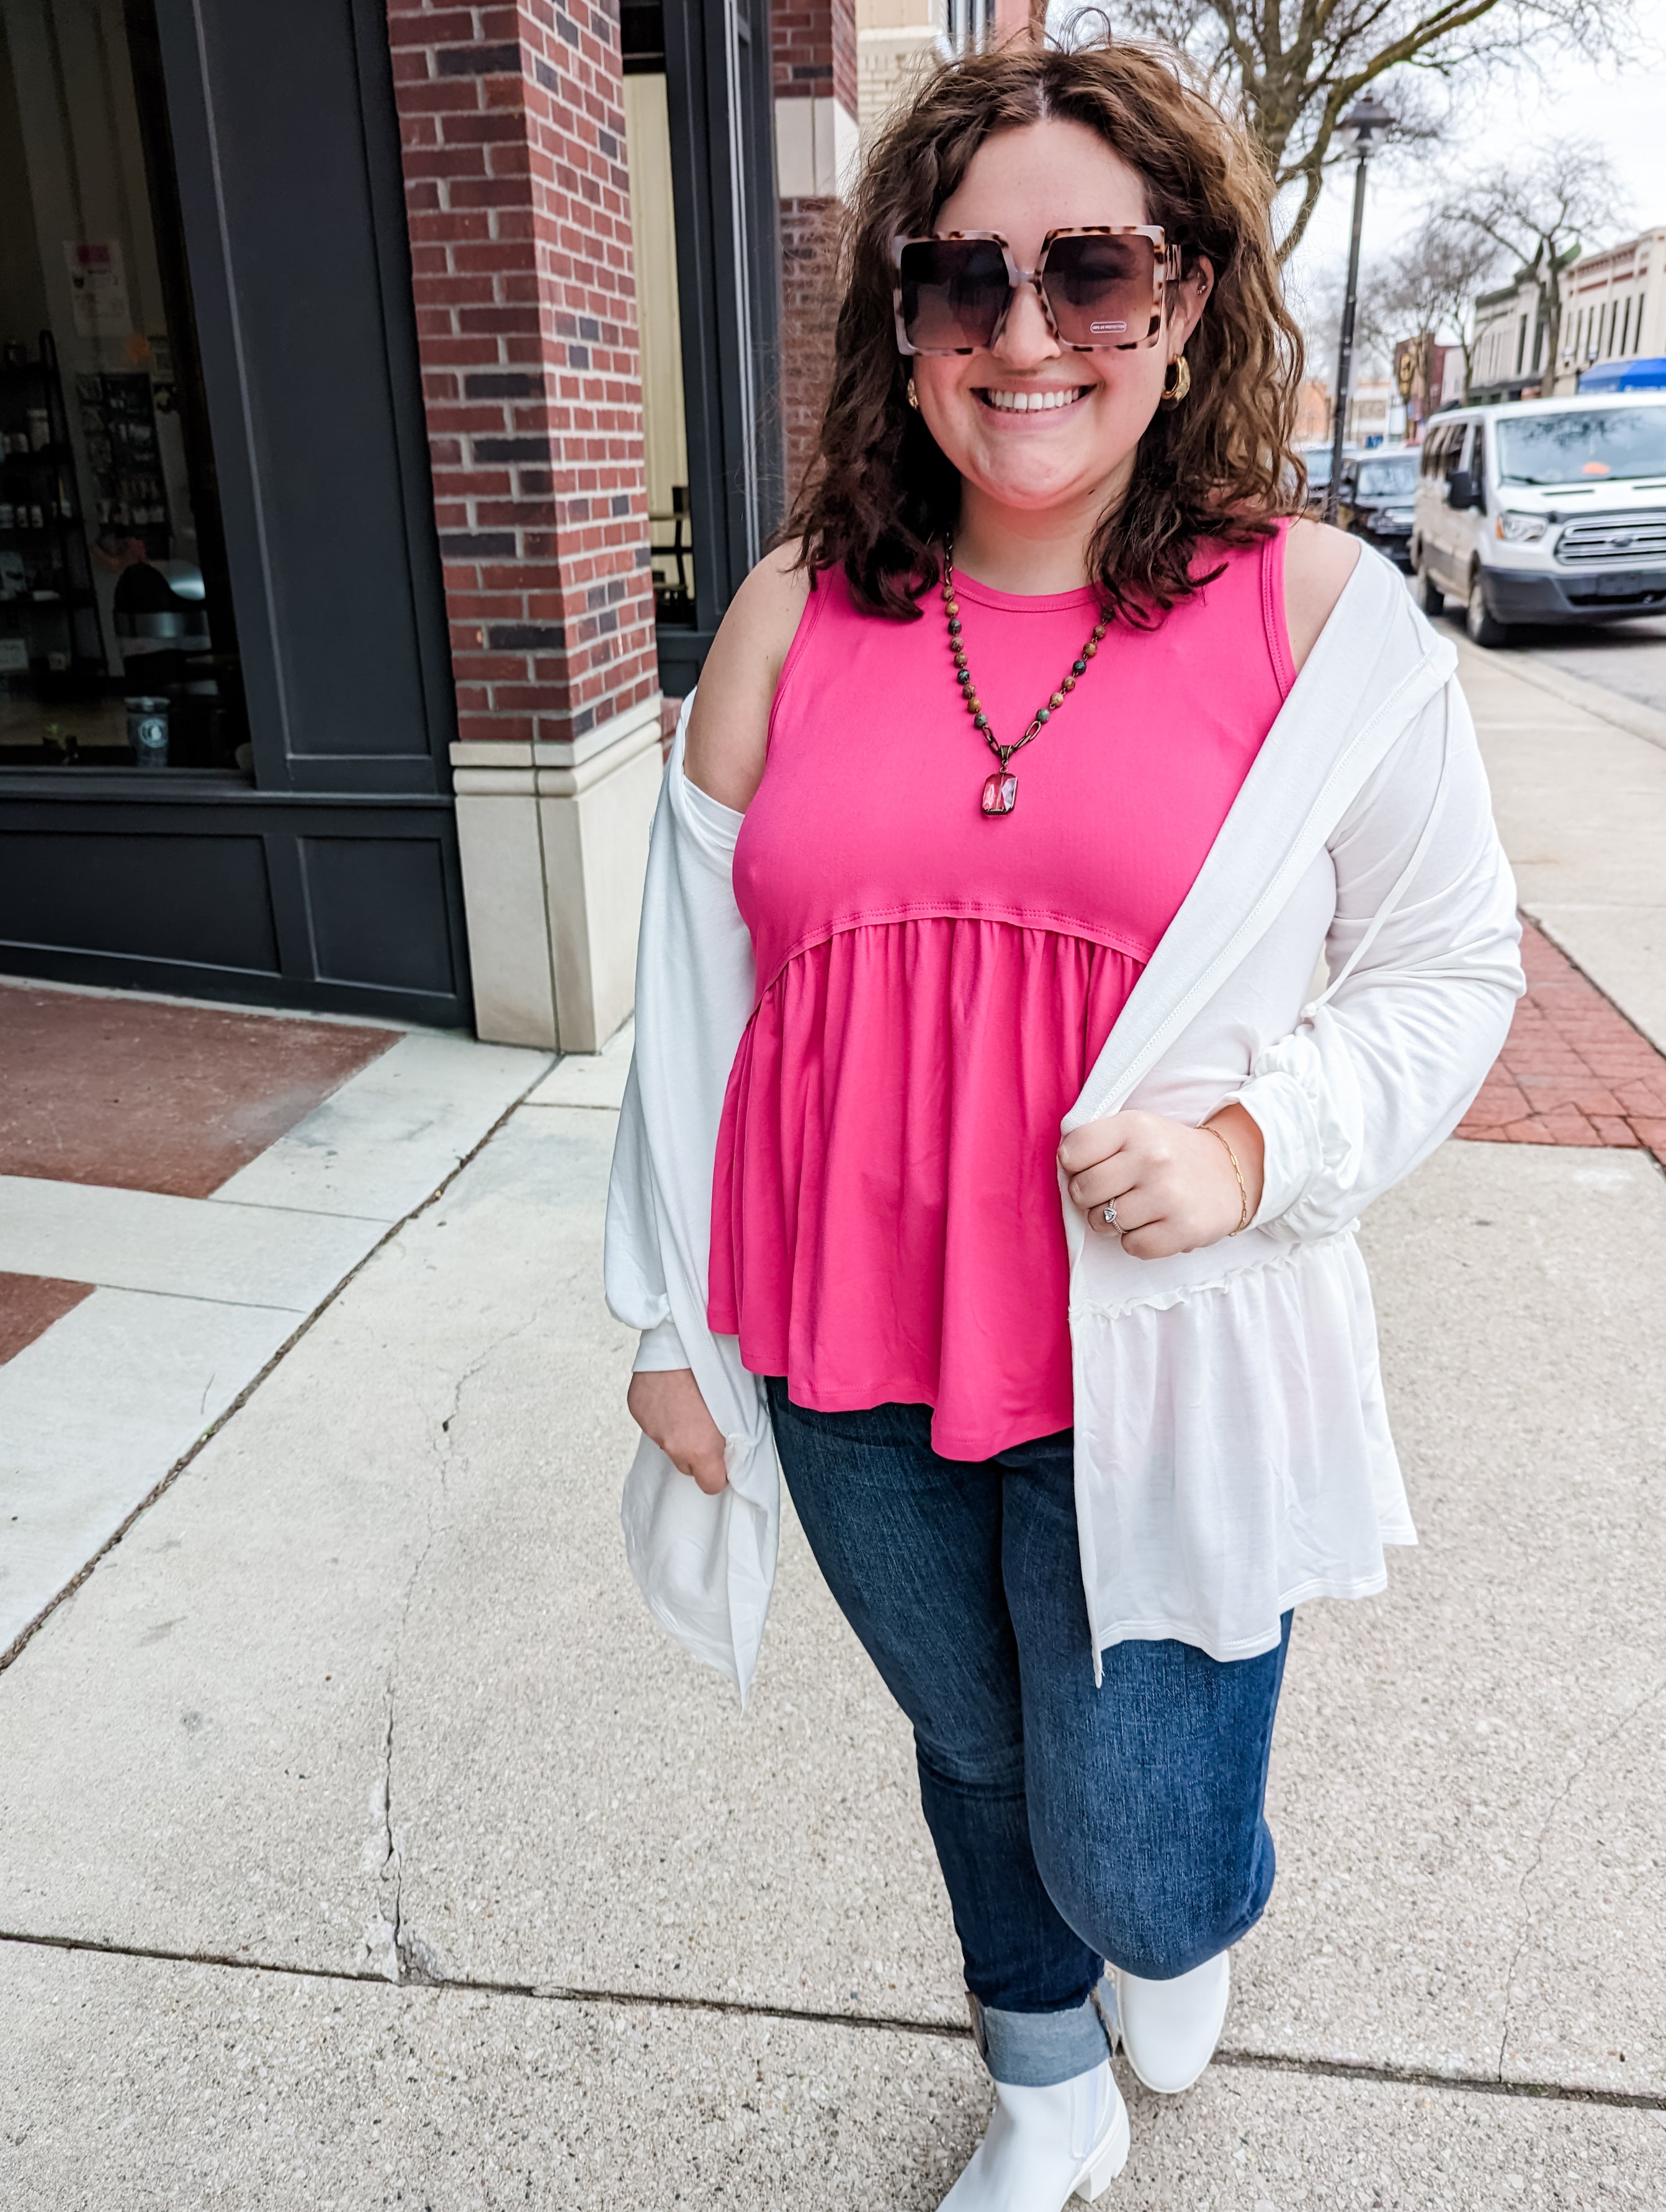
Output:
(1612, 706)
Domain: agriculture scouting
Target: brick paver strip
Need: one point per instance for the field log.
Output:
(29, 1304)
(145, 1096)
(1573, 1070)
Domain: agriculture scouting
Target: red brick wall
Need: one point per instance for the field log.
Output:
(512, 125)
(812, 47)
(813, 52)
(844, 53)
(810, 307)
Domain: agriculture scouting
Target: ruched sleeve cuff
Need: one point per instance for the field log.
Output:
(660, 1351)
(1292, 1147)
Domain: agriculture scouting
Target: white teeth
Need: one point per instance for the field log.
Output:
(1028, 403)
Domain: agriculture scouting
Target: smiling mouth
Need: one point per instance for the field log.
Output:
(1031, 402)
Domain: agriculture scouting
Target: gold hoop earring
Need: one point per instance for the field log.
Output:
(913, 397)
(1175, 393)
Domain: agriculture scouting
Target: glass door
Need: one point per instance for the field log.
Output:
(118, 648)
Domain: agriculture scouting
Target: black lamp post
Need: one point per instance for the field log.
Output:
(1366, 123)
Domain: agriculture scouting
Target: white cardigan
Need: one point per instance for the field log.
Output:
(1232, 1449)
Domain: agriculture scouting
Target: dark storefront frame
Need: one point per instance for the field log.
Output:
(335, 882)
(721, 104)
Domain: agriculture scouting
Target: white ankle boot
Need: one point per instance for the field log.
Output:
(1169, 2029)
(1044, 2147)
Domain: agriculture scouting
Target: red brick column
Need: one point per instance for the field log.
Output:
(513, 126)
(812, 48)
(512, 122)
(809, 304)
(813, 53)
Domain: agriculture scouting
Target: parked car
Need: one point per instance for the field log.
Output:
(1544, 511)
(1375, 500)
(1316, 461)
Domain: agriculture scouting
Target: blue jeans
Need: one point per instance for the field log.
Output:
(1074, 1824)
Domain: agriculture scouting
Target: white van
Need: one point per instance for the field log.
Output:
(1544, 511)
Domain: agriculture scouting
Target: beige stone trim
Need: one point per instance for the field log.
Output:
(816, 149)
(493, 782)
(556, 782)
(554, 842)
(595, 846)
(493, 753)
(501, 848)
(566, 752)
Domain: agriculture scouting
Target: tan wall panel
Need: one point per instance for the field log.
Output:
(647, 150)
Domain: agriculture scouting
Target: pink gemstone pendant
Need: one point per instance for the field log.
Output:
(1000, 793)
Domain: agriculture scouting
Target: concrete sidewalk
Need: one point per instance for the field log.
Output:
(364, 1843)
(1579, 782)
(1627, 660)
(181, 1188)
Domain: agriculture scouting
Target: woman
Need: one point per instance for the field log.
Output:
(1023, 792)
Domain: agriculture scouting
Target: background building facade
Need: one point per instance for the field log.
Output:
(1613, 307)
(391, 402)
(1507, 358)
(392, 395)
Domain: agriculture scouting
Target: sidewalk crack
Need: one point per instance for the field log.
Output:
(1576, 1775)
(682, 2003)
(405, 1958)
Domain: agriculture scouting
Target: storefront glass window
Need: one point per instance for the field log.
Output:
(118, 648)
(659, 315)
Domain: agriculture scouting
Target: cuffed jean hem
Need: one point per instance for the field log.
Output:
(1034, 2050)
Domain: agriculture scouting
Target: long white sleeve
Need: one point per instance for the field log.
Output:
(1425, 946)
(660, 1351)
(704, 1564)
(694, 994)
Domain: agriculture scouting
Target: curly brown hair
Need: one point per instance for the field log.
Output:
(880, 494)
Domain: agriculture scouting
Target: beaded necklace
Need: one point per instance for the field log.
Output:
(1000, 790)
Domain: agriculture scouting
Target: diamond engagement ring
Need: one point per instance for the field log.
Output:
(1110, 1213)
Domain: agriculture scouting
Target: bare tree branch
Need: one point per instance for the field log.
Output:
(1428, 290)
(1294, 67)
(1536, 214)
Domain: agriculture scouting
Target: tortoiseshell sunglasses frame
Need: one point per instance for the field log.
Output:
(1165, 269)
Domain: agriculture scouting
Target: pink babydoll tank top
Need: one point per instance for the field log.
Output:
(934, 984)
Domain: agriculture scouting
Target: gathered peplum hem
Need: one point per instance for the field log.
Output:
(1242, 1459)
(885, 1213)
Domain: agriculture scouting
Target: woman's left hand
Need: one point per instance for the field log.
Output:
(1172, 1186)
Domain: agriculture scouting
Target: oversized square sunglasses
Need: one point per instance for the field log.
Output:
(1098, 286)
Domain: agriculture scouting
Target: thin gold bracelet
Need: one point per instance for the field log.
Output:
(1244, 1194)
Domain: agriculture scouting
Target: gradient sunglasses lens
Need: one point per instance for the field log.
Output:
(954, 291)
(1102, 288)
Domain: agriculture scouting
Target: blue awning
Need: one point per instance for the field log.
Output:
(1649, 375)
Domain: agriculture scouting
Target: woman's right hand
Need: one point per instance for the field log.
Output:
(668, 1408)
